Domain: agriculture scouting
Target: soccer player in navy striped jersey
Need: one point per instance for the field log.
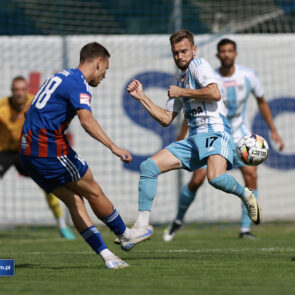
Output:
(56, 167)
(209, 140)
(236, 83)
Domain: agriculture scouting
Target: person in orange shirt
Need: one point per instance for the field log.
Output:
(12, 118)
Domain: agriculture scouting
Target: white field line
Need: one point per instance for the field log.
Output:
(218, 250)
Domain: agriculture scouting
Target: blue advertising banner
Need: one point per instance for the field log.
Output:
(6, 267)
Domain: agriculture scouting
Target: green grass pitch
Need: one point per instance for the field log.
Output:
(207, 259)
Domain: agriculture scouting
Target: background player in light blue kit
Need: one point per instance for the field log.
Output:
(209, 140)
(57, 168)
(236, 83)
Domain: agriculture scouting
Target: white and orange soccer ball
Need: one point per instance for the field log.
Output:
(252, 149)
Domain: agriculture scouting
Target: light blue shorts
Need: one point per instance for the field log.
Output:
(237, 163)
(194, 150)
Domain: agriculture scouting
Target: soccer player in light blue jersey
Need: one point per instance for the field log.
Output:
(209, 142)
(50, 161)
(236, 83)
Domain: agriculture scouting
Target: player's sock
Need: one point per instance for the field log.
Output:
(149, 172)
(246, 221)
(142, 219)
(61, 222)
(92, 236)
(228, 184)
(185, 199)
(106, 253)
(115, 223)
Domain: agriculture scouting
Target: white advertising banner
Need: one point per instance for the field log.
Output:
(148, 58)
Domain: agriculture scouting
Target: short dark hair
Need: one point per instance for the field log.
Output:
(180, 35)
(18, 78)
(225, 42)
(93, 50)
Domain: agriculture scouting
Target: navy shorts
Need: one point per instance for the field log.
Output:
(52, 172)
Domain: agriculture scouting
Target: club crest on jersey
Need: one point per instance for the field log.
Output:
(182, 79)
(85, 98)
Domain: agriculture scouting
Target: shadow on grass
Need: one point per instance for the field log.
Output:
(179, 257)
(40, 266)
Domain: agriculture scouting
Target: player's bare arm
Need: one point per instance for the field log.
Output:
(92, 127)
(208, 93)
(164, 117)
(267, 116)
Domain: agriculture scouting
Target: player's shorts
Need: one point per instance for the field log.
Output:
(8, 159)
(52, 172)
(237, 163)
(194, 150)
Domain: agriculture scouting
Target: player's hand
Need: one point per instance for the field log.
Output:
(175, 92)
(135, 89)
(123, 154)
(277, 139)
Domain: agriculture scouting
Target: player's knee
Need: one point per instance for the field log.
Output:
(149, 168)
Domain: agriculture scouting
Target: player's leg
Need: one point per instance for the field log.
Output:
(7, 159)
(217, 177)
(161, 162)
(55, 207)
(85, 226)
(187, 196)
(105, 211)
(53, 204)
(250, 176)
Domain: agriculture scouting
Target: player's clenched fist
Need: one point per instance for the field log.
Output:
(135, 89)
(174, 91)
(123, 154)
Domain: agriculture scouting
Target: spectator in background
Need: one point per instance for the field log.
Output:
(11, 122)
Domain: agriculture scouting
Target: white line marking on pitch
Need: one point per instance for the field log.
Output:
(218, 250)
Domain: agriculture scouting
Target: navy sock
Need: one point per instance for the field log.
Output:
(115, 223)
(92, 236)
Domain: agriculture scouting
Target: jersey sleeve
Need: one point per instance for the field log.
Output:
(79, 97)
(257, 88)
(174, 105)
(202, 72)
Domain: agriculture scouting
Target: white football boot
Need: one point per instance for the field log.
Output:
(114, 262)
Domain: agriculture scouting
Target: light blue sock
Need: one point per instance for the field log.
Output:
(185, 199)
(228, 184)
(149, 172)
(246, 221)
